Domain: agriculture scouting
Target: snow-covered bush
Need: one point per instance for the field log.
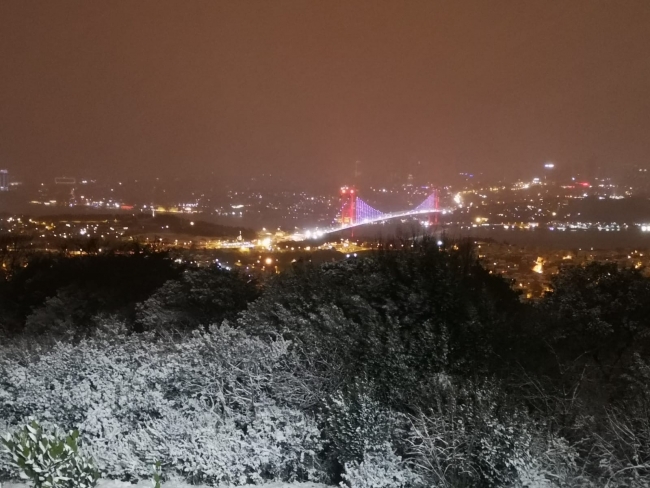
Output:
(277, 444)
(215, 406)
(472, 438)
(622, 447)
(380, 469)
(96, 383)
(356, 424)
(200, 297)
(49, 459)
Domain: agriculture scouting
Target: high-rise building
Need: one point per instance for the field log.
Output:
(4, 180)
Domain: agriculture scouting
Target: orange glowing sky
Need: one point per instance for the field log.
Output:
(305, 88)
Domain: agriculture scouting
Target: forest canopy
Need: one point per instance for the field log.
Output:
(411, 368)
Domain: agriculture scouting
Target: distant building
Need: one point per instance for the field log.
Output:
(63, 191)
(4, 180)
(65, 180)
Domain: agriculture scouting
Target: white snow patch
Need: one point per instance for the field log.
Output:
(179, 484)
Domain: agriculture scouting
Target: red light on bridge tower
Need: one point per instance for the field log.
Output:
(433, 218)
(348, 205)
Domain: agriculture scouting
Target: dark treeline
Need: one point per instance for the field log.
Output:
(420, 348)
(56, 296)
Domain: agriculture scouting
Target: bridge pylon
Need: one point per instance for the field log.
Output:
(348, 205)
(436, 206)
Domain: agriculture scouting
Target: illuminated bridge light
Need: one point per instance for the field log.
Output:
(365, 213)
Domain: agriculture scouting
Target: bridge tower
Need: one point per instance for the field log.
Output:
(436, 206)
(433, 217)
(348, 205)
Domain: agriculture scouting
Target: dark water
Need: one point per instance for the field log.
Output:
(578, 239)
(538, 238)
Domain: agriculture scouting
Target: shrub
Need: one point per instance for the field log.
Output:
(156, 473)
(203, 447)
(199, 298)
(621, 451)
(380, 469)
(6, 467)
(472, 437)
(49, 459)
(356, 424)
(216, 406)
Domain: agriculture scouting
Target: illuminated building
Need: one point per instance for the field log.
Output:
(4, 180)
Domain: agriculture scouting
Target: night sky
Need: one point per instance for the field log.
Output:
(303, 89)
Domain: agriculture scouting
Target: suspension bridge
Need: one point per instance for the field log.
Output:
(356, 212)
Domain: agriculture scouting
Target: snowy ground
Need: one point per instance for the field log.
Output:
(177, 484)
